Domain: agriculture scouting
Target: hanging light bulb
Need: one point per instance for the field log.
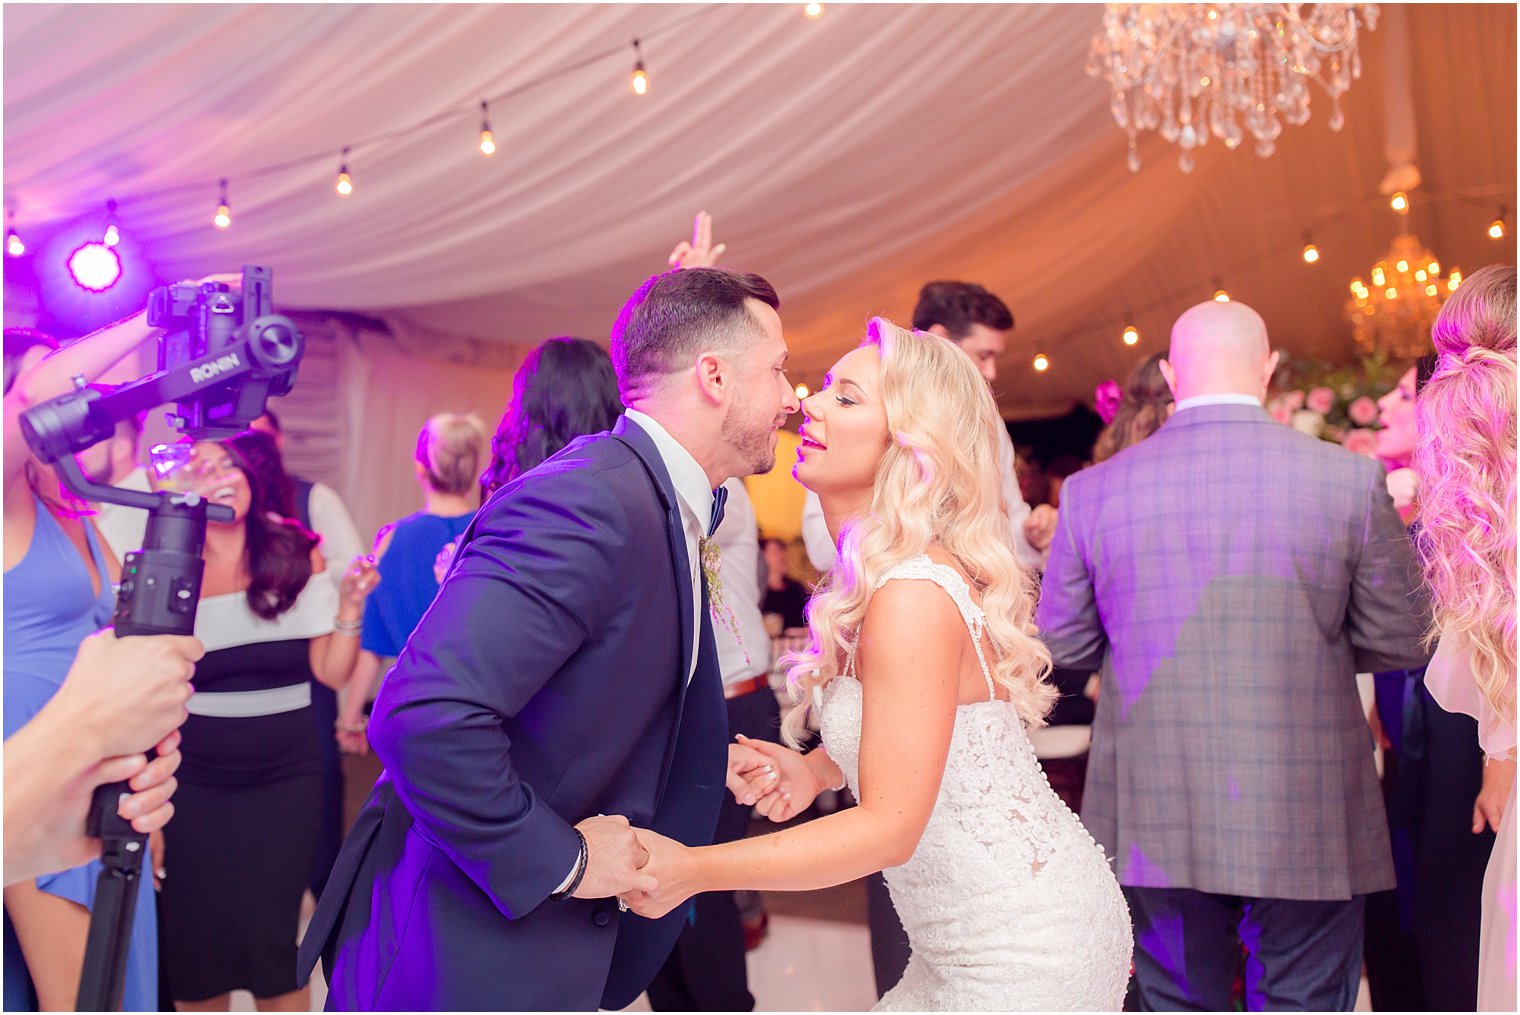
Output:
(1220, 296)
(223, 217)
(1399, 202)
(1455, 280)
(112, 234)
(813, 11)
(802, 391)
(1496, 227)
(1131, 336)
(1041, 363)
(13, 245)
(1311, 253)
(345, 184)
(487, 140)
(640, 81)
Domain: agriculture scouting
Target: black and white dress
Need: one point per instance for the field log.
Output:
(240, 848)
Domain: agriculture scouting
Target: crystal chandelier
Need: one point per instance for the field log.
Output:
(1392, 316)
(1191, 70)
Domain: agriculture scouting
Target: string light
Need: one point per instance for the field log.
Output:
(1399, 202)
(1496, 228)
(640, 75)
(223, 217)
(813, 11)
(1042, 363)
(487, 140)
(1131, 336)
(1454, 281)
(803, 391)
(1311, 252)
(345, 184)
(112, 234)
(13, 245)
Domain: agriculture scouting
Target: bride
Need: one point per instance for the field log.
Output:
(926, 673)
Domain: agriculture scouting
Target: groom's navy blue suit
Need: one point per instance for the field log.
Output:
(546, 684)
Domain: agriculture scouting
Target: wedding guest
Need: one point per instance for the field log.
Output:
(785, 596)
(1231, 775)
(450, 452)
(239, 853)
(564, 389)
(1396, 435)
(58, 576)
(1465, 464)
(1145, 403)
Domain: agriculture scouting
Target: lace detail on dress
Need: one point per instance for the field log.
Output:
(1008, 903)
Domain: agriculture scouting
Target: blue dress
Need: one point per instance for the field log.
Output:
(407, 586)
(50, 607)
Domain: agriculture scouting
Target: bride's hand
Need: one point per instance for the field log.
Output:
(669, 863)
(789, 790)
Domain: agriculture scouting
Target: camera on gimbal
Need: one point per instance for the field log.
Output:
(223, 355)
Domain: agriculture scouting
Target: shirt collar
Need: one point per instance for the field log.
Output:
(689, 478)
(1230, 399)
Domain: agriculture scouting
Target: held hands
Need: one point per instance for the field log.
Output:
(358, 581)
(615, 858)
(779, 782)
(670, 865)
(700, 252)
(1040, 526)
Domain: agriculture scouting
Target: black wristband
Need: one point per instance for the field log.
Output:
(580, 870)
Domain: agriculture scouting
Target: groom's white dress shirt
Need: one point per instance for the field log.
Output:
(1225, 399)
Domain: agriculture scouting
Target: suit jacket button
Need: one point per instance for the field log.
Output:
(601, 917)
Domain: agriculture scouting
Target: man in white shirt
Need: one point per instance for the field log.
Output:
(980, 324)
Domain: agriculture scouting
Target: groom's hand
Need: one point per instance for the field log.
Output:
(614, 858)
(671, 864)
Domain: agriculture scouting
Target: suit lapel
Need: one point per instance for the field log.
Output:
(643, 446)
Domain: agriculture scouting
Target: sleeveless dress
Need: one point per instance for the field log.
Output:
(1008, 902)
(240, 849)
(50, 607)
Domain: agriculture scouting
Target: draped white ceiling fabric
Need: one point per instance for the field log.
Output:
(849, 159)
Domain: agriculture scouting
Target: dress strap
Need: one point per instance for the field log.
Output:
(949, 579)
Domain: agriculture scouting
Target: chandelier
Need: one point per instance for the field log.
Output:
(1191, 70)
(1392, 316)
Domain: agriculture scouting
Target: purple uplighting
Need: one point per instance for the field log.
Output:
(94, 266)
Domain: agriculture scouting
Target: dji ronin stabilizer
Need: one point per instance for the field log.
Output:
(224, 354)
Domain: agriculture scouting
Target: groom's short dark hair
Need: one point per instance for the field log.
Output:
(677, 314)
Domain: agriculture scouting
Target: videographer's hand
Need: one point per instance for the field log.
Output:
(123, 695)
(614, 859)
(699, 252)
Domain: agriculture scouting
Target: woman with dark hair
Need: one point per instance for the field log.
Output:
(58, 575)
(1145, 404)
(563, 390)
(239, 853)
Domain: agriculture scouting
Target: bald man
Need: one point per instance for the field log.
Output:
(1231, 577)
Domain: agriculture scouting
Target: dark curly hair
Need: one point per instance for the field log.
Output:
(277, 552)
(564, 389)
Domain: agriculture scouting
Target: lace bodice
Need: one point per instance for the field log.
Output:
(1005, 880)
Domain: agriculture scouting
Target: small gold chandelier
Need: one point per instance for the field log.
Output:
(1191, 70)
(1392, 316)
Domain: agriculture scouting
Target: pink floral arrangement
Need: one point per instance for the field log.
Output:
(1108, 396)
(1334, 403)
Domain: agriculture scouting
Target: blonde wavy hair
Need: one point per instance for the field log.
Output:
(1465, 464)
(937, 485)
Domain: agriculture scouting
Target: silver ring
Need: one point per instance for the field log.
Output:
(622, 906)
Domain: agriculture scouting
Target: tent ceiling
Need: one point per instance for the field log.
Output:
(848, 159)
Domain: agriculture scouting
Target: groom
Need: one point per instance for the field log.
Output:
(566, 670)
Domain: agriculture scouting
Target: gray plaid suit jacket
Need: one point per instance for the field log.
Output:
(1231, 577)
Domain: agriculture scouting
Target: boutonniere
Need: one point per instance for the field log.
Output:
(722, 613)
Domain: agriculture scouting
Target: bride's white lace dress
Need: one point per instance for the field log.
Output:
(1008, 903)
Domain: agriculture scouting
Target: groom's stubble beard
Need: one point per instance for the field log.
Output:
(753, 443)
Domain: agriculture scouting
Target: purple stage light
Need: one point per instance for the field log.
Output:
(94, 266)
